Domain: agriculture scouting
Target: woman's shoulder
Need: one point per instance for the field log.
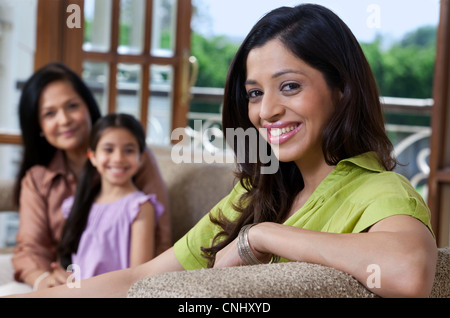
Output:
(43, 172)
(37, 177)
(36, 172)
(368, 179)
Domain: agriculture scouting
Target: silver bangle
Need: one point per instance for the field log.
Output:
(244, 249)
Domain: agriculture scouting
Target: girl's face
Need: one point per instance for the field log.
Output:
(116, 157)
(290, 99)
(64, 117)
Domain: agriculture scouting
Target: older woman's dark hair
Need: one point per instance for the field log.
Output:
(321, 39)
(37, 150)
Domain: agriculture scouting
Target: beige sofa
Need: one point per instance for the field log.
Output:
(194, 188)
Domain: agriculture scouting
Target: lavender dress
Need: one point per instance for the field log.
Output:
(105, 243)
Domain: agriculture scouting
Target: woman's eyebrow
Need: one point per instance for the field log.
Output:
(288, 71)
(276, 75)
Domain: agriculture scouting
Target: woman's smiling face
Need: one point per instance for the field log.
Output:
(290, 99)
(64, 117)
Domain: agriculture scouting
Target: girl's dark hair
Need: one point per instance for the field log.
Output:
(37, 150)
(89, 184)
(321, 39)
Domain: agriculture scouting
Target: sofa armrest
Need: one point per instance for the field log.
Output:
(284, 280)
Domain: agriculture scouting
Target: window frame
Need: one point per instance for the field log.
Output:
(56, 42)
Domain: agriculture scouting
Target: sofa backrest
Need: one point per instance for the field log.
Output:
(194, 188)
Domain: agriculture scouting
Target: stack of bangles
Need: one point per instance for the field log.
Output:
(245, 251)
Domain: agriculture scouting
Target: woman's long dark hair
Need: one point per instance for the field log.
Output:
(37, 150)
(89, 184)
(321, 39)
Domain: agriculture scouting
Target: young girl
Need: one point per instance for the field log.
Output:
(110, 223)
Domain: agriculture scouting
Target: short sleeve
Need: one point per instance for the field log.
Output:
(67, 206)
(188, 248)
(140, 199)
(386, 207)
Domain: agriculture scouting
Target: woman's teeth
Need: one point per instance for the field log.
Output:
(276, 132)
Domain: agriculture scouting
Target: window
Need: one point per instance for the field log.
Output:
(134, 55)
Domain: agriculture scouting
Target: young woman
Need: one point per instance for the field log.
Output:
(57, 112)
(301, 76)
(110, 223)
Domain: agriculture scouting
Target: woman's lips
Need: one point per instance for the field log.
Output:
(279, 133)
(68, 133)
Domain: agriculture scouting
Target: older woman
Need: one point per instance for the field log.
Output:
(57, 112)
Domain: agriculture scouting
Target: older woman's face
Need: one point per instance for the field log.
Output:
(290, 99)
(64, 117)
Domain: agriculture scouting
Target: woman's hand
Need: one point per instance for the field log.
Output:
(229, 256)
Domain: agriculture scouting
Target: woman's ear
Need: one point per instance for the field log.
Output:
(91, 156)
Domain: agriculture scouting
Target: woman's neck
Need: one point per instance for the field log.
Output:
(313, 173)
(75, 161)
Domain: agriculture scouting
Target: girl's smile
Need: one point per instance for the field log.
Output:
(116, 157)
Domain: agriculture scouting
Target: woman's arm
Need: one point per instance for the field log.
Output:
(149, 180)
(112, 284)
(142, 247)
(399, 249)
(34, 251)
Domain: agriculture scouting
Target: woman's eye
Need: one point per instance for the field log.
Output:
(48, 114)
(72, 106)
(254, 94)
(290, 87)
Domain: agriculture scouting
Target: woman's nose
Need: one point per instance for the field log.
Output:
(271, 107)
(63, 117)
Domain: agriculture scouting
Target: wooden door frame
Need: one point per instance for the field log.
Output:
(440, 139)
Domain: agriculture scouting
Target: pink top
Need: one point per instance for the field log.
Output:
(105, 243)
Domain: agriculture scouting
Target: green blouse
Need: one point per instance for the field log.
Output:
(358, 193)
